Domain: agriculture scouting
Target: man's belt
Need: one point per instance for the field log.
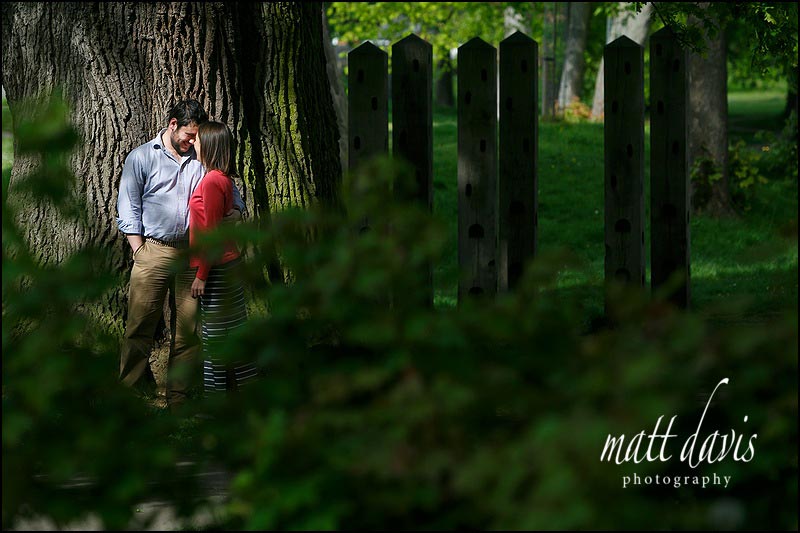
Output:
(179, 243)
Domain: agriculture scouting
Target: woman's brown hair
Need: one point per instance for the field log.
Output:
(216, 148)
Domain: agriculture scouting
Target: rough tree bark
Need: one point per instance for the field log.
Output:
(574, 63)
(337, 89)
(258, 67)
(708, 123)
(635, 26)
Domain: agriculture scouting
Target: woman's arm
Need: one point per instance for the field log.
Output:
(213, 194)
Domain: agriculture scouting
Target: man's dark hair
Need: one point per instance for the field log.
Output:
(186, 112)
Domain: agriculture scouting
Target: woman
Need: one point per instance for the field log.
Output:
(217, 284)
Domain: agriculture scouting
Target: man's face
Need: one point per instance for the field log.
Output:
(182, 138)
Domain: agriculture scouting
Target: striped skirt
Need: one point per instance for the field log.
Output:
(222, 310)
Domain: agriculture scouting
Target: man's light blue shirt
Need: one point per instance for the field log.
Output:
(155, 189)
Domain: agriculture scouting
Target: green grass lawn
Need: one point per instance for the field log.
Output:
(753, 257)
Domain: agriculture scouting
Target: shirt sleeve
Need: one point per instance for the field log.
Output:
(213, 194)
(129, 201)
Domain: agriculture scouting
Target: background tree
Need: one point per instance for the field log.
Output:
(708, 124)
(636, 26)
(258, 67)
(575, 46)
(769, 31)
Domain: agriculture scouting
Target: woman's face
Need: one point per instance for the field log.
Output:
(197, 148)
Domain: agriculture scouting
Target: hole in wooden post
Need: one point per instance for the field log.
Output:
(490, 264)
(516, 208)
(508, 103)
(357, 142)
(476, 291)
(643, 282)
(675, 148)
(627, 67)
(623, 225)
(614, 106)
(374, 103)
(483, 145)
(660, 107)
(622, 274)
(614, 181)
(468, 97)
(526, 145)
(658, 49)
(630, 150)
(360, 76)
(475, 231)
(524, 65)
(484, 75)
(468, 190)
(415, 65)
(515, 270)
(676, 65)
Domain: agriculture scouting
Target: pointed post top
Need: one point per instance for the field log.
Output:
(664, 34)
(623, 42)
(476, 43)
(412, 40)
(516, 38)
(366, 48)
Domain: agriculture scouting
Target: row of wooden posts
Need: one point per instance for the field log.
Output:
(498, 177)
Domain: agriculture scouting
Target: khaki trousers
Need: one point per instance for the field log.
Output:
(156, 269)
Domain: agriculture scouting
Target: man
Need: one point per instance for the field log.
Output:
(157, 181)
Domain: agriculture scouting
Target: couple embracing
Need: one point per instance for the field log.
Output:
(174, 188)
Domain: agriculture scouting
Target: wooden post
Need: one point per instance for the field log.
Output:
(412, 127)
(368, 106)
(518, 217)
(477, 169)
(624, 162)
(669, 167)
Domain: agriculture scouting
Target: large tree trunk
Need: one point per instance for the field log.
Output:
(549, 60)
(337, 89)
(258, 67)
(574, 63)
(635, 26)
(708, 124)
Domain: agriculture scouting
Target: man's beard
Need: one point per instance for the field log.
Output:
(177, 146)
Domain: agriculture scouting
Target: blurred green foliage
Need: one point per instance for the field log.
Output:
(374, 411)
